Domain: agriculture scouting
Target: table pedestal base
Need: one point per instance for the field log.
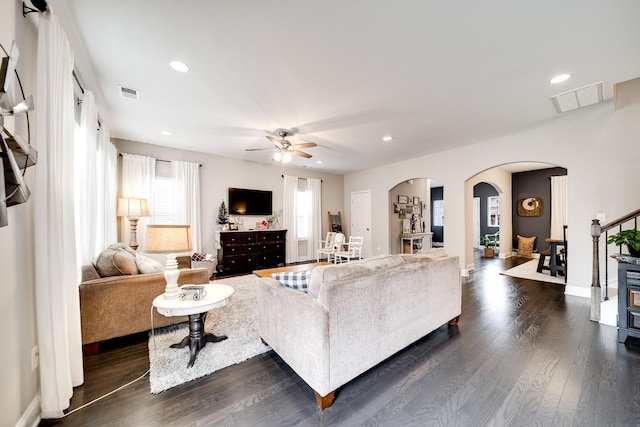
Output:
(197, 338)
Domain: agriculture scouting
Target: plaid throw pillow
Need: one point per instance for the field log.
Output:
(294, 279)
(198, 257)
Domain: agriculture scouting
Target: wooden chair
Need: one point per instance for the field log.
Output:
(326, 245)
(354, 250)
(336, 245)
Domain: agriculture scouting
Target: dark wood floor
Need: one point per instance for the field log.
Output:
(522, 354)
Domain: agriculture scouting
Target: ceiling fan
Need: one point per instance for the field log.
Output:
(284, 148)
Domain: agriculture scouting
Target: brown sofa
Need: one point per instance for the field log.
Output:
(116, 306)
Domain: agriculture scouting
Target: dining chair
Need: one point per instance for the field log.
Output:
(331, 246)
(354, 250)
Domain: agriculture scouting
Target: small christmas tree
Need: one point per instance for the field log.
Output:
(223, 214)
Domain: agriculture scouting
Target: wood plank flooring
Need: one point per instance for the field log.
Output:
(523, 354)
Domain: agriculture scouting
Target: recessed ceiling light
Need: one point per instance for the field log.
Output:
(166, 132)
(179, 66)
(560, 78)
(319, 162)
(387, 138)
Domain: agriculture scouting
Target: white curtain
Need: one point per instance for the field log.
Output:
(106, 171)
(185, 177)
(559, 202)
(138, 173)
(57, 300)
(315, 188)
(85, 143)
(289, 216)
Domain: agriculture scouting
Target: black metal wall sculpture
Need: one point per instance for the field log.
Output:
(16, 152)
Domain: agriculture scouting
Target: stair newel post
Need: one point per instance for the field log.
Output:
(596, 291)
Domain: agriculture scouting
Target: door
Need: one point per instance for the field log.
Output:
(361, 219)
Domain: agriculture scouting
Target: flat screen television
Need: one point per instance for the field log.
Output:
(249, 202)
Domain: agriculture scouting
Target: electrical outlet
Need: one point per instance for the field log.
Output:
(35, 358)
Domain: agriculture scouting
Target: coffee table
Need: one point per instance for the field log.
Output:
(216, 296)
(267, 272)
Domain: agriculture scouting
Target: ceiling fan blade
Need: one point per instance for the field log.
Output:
(301, 154)
(258, 149)
(276, 142)
(305, 145)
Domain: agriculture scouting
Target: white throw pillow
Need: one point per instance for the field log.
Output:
(147, 265)
(294, 279)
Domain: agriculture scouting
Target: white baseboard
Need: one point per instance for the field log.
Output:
(578, 291)
(31, 417)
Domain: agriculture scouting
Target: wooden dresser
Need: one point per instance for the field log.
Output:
(250, 250)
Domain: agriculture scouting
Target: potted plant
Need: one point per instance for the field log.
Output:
(490, 243)
(223, 215)
(629, 238)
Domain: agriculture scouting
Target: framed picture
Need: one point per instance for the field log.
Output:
(233, 226)
(402, 214)
(416, 201)
(409, 209)
(260, 226)
(396, 209)
(403, 200)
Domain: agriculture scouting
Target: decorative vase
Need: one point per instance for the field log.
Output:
(269, 225)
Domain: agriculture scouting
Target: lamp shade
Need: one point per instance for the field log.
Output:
(167, 239)
(132, 207)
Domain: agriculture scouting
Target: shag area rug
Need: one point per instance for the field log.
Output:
(528, 269)
(238, 320)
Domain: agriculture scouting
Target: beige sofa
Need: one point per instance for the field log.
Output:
(116, 306)
(356, 315)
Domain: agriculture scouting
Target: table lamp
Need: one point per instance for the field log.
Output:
(169, 239)
(133, 209)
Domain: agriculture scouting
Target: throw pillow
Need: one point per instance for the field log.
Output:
(525, 246)
(294, 279)
(147, 265)
(116, 261)
(198, 257)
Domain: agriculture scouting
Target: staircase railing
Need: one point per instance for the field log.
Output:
(596, 232)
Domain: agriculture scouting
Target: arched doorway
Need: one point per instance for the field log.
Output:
(417, 203)
(513, 182)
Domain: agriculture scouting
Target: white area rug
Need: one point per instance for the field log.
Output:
(528, 269)
(238, 320)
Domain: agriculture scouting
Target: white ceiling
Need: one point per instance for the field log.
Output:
(343, 73)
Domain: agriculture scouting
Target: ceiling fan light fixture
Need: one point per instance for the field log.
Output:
(286, 157)
(277, 156)
(179, 66)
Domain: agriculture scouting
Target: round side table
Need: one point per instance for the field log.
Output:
(216, 296)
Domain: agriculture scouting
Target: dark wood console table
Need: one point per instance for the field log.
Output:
(245, 251)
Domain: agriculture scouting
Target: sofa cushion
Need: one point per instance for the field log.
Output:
(332, 273)
(117, 260)
(148, 265)
(294, 279)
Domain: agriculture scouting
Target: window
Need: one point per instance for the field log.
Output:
(438, 213)
(162, 209)
(493, 211)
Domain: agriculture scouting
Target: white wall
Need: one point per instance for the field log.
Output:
(19, 389)
(598, 145)
(220, 173)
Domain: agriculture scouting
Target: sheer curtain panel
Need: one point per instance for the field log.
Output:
(559, 198)
(85, 162)
(185, 177)
(138, 173)
(289, 216)
(107, 165)
(315, 188)
(57, 301)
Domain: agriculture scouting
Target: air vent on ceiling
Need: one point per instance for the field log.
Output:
(127, 92)
(578, 98)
